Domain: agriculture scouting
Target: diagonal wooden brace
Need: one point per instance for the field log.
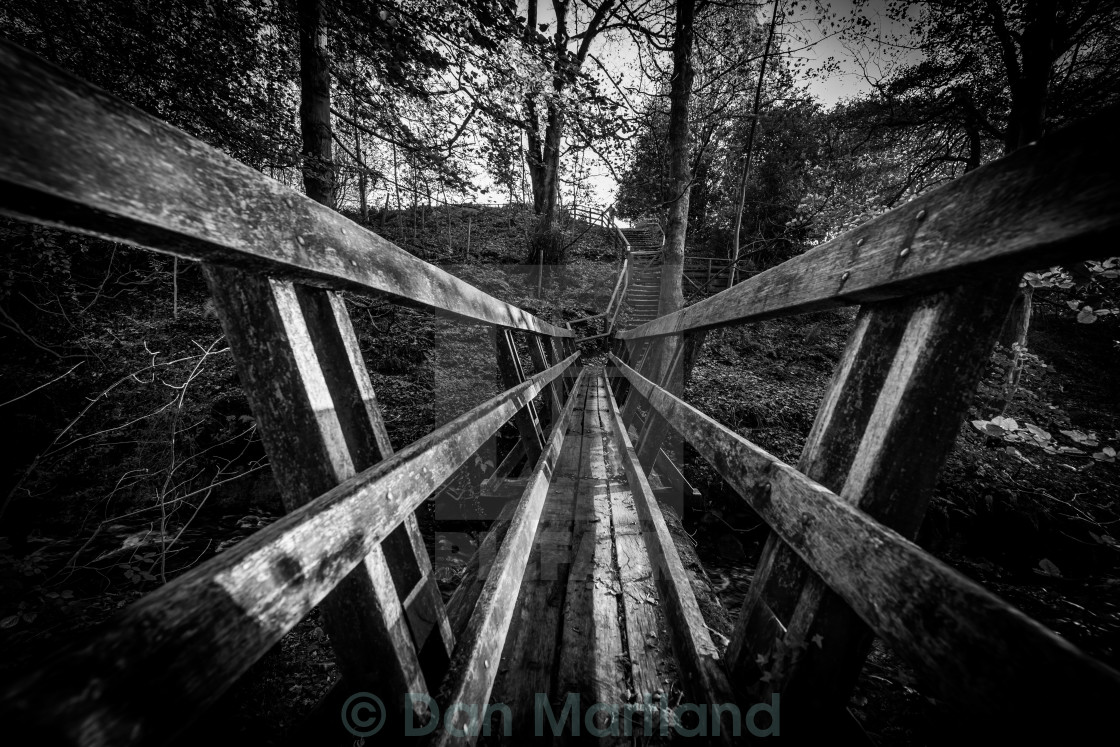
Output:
(306, 382)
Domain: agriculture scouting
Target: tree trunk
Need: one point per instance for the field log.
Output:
(680, 174)
(552, 137)
(363, 178)
(750, 147)
(315, 103)
(1029, 91)
(397, 187)
(534, 153)
(543, 154)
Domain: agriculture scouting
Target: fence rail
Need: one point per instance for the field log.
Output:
(933, 278)
(74, 157)
(966, 640)
(1036, 207)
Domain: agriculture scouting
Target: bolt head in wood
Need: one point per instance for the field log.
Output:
(904, 252)
(921, 215)
(845, 276)
(860, 241)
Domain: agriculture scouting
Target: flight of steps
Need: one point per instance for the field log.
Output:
(642, 294)
(644, 237)
(645, 274)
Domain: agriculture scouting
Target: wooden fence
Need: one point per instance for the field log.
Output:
(73, 156)
(933, 279)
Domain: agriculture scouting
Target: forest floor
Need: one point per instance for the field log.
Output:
(1034, 519)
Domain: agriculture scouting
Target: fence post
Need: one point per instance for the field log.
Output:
(511, 374)
(305, 380)
(886, 424)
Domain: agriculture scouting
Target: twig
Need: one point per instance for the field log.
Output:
(14, 326)
(26, 394)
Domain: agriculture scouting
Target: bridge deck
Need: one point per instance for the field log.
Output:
(589, 617)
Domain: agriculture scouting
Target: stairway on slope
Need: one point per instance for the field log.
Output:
(645, 274)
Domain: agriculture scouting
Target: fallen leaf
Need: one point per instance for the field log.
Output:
(1046, 567)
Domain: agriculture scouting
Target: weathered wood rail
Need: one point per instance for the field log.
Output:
(583, 584)
(933, 279)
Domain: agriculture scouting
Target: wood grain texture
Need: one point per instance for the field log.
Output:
(887, 422)
(698, 658)
(976, 650)
(531, 652)
(539, 356)
(591, 652)
(323, 320)
(73, 156)
(1048, 203)
(510, 374)
(275, 326)
(475, 662)
(174, 652)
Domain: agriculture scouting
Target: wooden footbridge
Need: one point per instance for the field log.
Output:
(584, 587)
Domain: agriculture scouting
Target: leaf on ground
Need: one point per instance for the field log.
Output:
(1046, 567)
(1086, 439)
(1015, 453)
(1008, 424)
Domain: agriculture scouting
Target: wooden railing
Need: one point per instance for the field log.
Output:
(75, 157)
(591, 214)
(713, 273)
(618, 295)
(934, 279)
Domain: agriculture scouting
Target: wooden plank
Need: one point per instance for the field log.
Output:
(462, 603)
(671, 475)
(511, 374)
(298, 373)
(699, 660)
(973, 648)
(529, 657)
(540, 363)
(475, 663)
(591, 655)
(75, 157)
(648, 647)
(645, 623)
(1049, 203)
(556, 353)
(504, 469)
(910, 366)
(591, 662)
(175, 651)
(331, 335)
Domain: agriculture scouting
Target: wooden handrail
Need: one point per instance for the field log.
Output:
(189, 640)
(968, 641)
(474, 666)
(73, 156)
(618, 284)
(699, 659)
(1050, 202)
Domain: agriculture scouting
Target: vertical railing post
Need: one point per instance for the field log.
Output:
(540, 361)
(511, 373)
(306, 383)
(887, 422)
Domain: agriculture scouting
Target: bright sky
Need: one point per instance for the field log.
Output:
(806, 36)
